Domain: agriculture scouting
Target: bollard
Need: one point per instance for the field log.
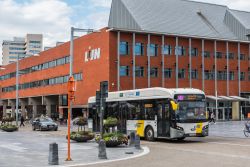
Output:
(102, 150)
(53, 154)
(137, 142)
(132, 139)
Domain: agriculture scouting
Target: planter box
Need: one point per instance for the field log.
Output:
(10, 129)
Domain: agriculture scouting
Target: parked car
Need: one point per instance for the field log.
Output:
(44, 124)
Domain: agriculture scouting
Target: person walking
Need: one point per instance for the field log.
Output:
(212, 117)
(22, 121)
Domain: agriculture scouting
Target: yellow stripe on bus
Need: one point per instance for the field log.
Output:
(199, 128)
(140, 128)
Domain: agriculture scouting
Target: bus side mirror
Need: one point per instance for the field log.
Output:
(174, 105)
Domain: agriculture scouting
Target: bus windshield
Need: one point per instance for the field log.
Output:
(191, 111)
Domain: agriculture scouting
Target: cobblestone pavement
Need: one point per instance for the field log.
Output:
(27, 148)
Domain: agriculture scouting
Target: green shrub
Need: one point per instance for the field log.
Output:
(110, 122)
(81, 136)
(9, 127)
(113, 139)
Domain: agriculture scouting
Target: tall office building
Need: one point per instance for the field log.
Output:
(28, 46)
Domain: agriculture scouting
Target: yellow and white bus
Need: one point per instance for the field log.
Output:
(156, 112)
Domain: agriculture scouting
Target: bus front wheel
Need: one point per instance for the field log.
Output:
(149, 134)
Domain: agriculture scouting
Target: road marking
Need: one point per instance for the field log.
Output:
(14, 147)
(230, 144)
(145, 151)
(210, 153)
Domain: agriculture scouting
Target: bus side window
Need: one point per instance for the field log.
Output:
(159, 110)
(149, 111)
(167, 111)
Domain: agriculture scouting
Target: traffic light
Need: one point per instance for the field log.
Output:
(98, 99)
(104, 89)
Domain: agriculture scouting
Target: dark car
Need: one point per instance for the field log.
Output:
(44, 124)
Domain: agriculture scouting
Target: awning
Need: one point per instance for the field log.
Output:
(238, 98)
(213, 97)
(227, 98)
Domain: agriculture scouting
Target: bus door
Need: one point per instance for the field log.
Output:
(163, 124)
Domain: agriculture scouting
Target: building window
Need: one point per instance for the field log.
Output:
(218, 55)
(139, 49)
(154, 72)
(209, 75)
(181, 73)
(139, 71)
(123, 48)
(206, 54)
(231, 56)
(45, 82)
(168, 73)
(153, 50)
(194, 52)
(248, 75)
(222, 75)
(194, 74)
(231, 75)
(242, 57)
(36, 42)
(180, 51)
(124, 71)
(167, 50)
(242, 76)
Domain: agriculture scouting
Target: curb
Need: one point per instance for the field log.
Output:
(145, 152)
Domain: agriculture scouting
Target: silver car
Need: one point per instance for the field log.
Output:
(44, 124)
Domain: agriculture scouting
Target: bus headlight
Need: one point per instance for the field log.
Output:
(179, 128)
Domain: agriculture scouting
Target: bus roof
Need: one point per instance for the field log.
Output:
(147, 93)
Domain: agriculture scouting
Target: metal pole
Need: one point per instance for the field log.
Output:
(71, 65)
(148, 54)
(118, 61)
(163, 63)
(17, 81)
(215, 75)
(101, 118)
(71, 51)
(203, 65)
(190, 62)
(176, 62)
(69, 116)
(69, 101)
(134, 61)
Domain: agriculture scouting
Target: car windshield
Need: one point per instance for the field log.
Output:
(191, 111)
(46, 120)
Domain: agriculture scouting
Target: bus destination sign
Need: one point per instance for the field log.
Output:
(189, 97)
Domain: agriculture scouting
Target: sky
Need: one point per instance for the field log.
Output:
(53, 18)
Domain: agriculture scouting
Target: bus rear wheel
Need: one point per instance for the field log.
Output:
(149, 134)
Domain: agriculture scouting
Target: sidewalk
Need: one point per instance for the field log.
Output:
(28, 148)
(227, 129)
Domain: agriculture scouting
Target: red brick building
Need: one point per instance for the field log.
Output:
(168, 43)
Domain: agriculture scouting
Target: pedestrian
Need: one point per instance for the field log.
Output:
(22, 121)
(212, 117)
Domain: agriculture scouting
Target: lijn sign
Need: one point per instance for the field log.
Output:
(93, 55)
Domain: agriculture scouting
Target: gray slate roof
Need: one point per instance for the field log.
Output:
(180, 17)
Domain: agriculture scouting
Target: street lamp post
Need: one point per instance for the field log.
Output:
(17, 87)
(72, 30)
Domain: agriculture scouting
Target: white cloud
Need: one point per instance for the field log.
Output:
(232, 4)
(101, 3)
(51, 18)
